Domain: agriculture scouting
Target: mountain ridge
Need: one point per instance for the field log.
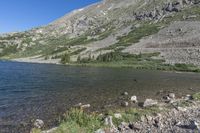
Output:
(86, 34)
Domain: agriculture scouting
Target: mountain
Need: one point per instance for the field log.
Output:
(138, 33)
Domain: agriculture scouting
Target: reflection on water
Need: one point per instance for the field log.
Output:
(30, 91)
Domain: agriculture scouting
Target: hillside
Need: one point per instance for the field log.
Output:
(155, 34)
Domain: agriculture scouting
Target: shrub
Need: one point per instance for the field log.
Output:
(65, 59)
(8, 50)
(108, 57)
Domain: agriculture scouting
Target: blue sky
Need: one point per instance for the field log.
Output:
(19, 15)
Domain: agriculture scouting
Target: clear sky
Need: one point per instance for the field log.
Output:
(19, 15)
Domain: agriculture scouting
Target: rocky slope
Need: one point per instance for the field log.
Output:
(112, 25)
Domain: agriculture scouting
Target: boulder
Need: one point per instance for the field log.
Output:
(38, 124)
(149, 103)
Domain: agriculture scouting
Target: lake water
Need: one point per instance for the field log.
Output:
(44, 91)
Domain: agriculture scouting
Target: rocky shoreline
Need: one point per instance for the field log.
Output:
(171, 114)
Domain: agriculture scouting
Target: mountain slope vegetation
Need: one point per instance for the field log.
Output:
(114, 33)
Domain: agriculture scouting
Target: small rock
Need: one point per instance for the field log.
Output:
(38, 124)
(149, 103)
(157, 122)
(188, 97)
(171, 95)
(182, 109)
(134, 99)
(123, 126)
(117, 115)
(131, 126)
(85, 106)
(78, 105)
(194, 125)
(100, 131)
(166, 98)
(124, 104)
(137, 127)
(149, 118)
(108, 121)
(143, 119)
(177, 123)
(125, 93)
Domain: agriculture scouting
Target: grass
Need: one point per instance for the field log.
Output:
(140, 61)
(35, 130)
(196, 96)
(133, 114)
(78, 51)
(135, 35)
(78, 121)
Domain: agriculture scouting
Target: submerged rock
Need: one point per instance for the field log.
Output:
(82, 106)
(85, 106)
(125, 94)
(149, 103)
(124, 104)
(38, 123)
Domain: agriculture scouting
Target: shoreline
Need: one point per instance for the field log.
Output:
(20, 60)
(172, 114)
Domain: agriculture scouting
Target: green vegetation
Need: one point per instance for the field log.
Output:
(133, 114)
(65, 59)
(78, 51)
(76, 120)
(79, 121)
(186, 68)
(135, 35)
(12, 49)
(196, 96)
(139, 61)
(34, 130)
